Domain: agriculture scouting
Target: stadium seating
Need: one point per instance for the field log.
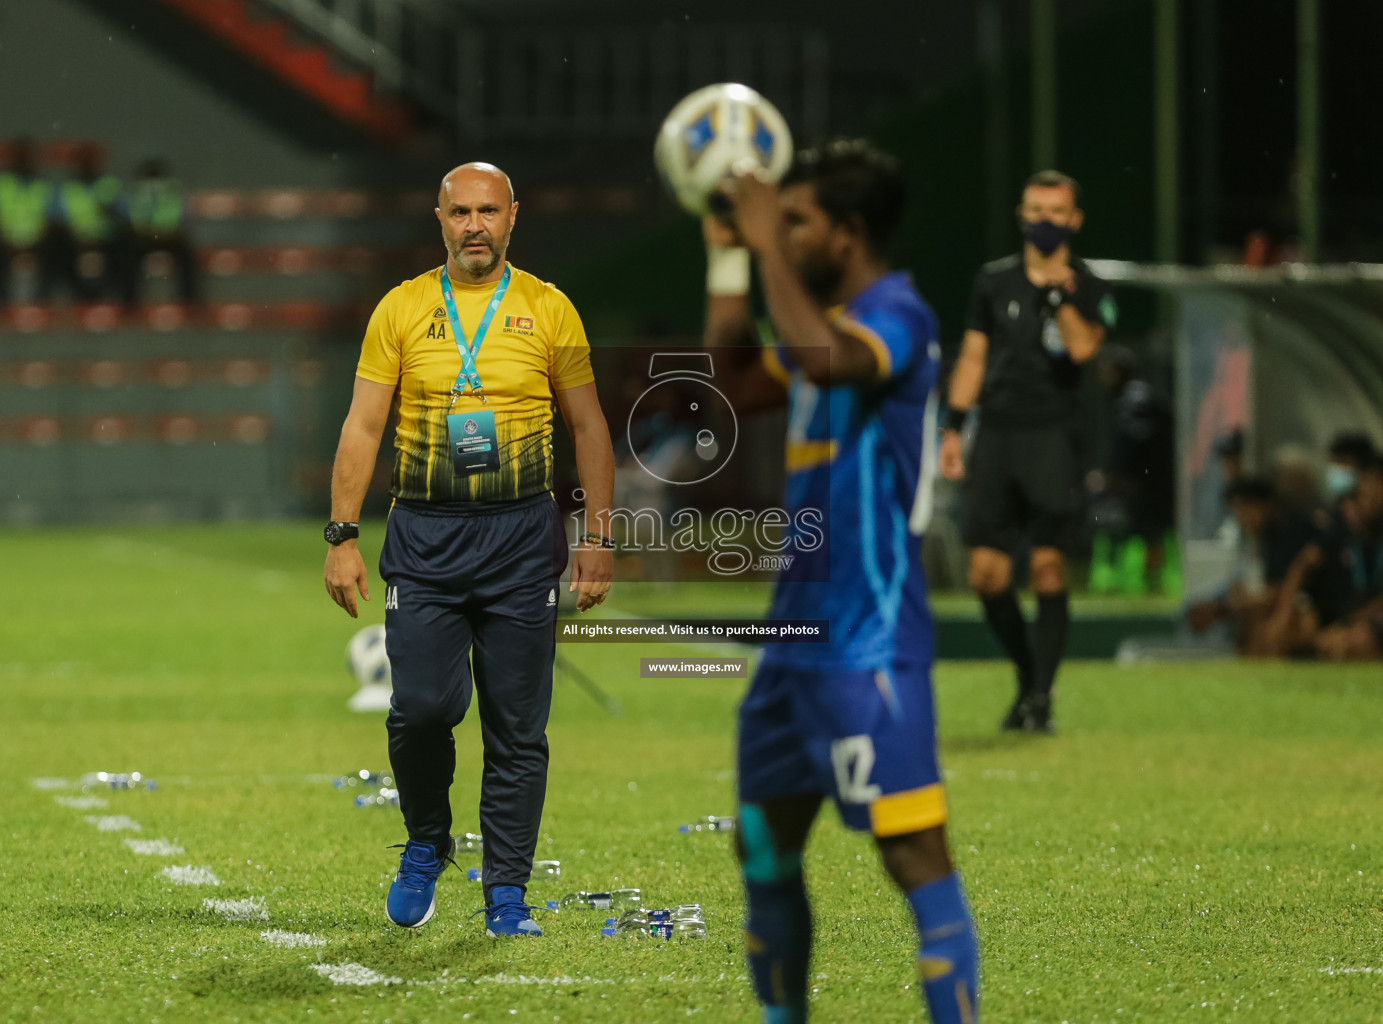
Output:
(169, 411)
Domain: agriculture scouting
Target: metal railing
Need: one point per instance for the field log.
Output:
(562, 81)
(406, 46)
(1174, 274)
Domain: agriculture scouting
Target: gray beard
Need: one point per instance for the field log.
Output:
(468, 264)
(498, 247)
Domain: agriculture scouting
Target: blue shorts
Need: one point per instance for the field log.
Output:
(867, 738)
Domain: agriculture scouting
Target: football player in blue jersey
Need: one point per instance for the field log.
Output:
(855, 360)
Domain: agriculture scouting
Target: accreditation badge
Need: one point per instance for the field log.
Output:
(474, 442)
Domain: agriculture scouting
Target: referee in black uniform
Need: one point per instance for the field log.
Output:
(1035, 319)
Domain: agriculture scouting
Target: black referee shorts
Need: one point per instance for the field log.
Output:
(471, 600)
(1023, 483)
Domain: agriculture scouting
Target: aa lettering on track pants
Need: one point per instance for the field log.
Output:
(471, 599)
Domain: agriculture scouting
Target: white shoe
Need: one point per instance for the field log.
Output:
(372, 697)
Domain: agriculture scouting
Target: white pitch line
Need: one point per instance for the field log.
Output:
(447, 978)
(1352, 970)
(310, 779)
(353, 974)
(238, 910)
(292, 940)
(526, 979)
(114, 823)
(153, 847)
(81, 803)
(359, 974)
(186, 874)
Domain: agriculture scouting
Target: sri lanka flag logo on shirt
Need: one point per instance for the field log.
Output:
(518, 324)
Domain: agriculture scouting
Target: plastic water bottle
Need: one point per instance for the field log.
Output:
(614, 899)
(659, 930)
(672, 928)
(710, 823)
(386, 797)
(664, 915)
(365, 778)
(547, 868)
(117, 780)
(688, 929)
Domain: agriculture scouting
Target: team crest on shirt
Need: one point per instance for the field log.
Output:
(439, 313)
(518, 325)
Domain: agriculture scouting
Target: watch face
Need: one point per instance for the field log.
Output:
(332, 533)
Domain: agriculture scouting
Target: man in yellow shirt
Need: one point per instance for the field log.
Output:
(472, 355)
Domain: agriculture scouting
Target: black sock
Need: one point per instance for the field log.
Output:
(1049, 643)
(1005, 618)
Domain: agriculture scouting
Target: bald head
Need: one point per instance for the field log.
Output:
(476, 208)
(477, 172)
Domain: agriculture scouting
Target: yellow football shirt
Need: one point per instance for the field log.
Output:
(534, 347)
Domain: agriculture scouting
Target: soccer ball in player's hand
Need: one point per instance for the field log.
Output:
(716, 132)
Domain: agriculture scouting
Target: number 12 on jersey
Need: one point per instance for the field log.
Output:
(853, 760)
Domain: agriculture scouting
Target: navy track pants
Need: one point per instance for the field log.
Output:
(471, 597)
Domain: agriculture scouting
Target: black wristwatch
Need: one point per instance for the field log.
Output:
(336, 532)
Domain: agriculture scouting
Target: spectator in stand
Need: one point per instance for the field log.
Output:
(89, 217)
(158, 223)
(1317, 594)
(1297, 480)
(1273, 536)
(1349, 453)
(1229, 451)
(26, 201)
(1358, 635)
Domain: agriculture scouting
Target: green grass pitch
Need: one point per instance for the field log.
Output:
(1202, 842)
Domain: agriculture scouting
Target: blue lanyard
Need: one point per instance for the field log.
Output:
(469, 349)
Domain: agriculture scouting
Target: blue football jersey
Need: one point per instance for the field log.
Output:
(857, 457)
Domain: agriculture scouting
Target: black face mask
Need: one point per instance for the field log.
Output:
(1045, 236)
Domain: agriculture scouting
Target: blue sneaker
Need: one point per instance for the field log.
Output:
(413, 896)
(508, 914)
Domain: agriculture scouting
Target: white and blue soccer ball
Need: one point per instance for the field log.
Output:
(368, 660)
(715, 132)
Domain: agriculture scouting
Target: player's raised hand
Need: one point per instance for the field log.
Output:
(758, 215)
(720, 233)
(345, 574)
(1060, 277)
(951, 459)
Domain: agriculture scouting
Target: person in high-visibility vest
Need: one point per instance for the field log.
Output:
(26, 207)
(89, 208)
(157, 217)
